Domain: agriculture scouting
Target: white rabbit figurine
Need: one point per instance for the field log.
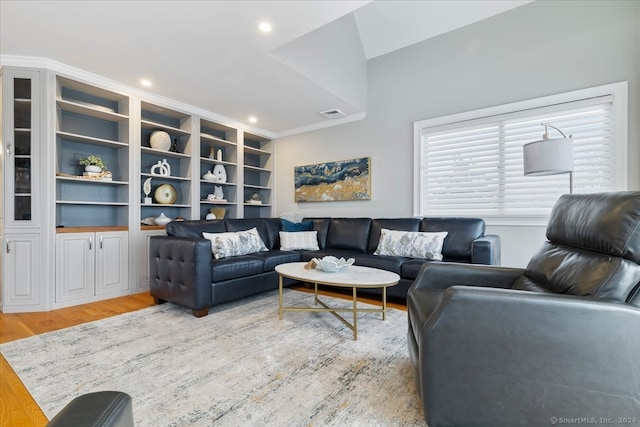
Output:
(217, 191)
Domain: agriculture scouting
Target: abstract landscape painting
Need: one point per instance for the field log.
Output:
(334, 181)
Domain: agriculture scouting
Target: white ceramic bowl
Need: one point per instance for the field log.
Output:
(331, 264)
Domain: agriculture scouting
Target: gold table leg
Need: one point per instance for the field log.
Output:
(280, 296)
(384, 303)
(355, 315)
(334, 310)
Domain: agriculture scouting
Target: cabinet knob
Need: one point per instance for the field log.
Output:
(101, 242)
(8, 150)
(8, 247)
(90, 243)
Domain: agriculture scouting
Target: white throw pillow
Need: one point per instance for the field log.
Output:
(412, 244)
(299, 240)
(224, 245)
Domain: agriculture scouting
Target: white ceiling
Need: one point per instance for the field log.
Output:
(210, 54)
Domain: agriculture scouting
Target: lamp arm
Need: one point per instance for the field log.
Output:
(552, 126)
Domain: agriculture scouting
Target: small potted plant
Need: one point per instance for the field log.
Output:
(93, 164)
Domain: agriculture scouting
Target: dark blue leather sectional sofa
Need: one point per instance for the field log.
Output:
(184, 271)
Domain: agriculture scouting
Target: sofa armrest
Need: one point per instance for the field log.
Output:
(435, 275)
(486, 250)
(180, 269)
(505, 357)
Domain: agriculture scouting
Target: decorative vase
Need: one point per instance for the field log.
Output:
(160, 140)
(210, 177)
(93, 169)
(219, 155)
(162, 168)
(220, 172)
(162, 219)
(166, 194)
(218, 212)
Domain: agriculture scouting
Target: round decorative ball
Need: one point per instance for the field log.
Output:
(160, 140)
(166, 194)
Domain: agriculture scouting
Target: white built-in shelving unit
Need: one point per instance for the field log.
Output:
(72, 239)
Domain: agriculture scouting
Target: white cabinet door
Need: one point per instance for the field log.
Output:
(91, 264)
(21, 272)
(112, 262)
(75, 266)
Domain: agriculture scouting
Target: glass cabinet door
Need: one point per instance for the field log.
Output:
(22, 149)
(21, 139)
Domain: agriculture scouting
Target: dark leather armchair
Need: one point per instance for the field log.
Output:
(98, 409)
(555, 343)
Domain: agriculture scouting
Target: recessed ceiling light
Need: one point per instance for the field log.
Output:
(265, 27)
(145, 82)
(253, 119)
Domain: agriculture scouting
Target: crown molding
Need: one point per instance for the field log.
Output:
(98, 80)
(321, 125)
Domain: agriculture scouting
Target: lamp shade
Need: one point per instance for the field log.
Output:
(548, 156)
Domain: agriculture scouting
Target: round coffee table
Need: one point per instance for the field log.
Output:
(354, 277)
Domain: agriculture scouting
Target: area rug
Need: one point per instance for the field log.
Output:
(240, 365)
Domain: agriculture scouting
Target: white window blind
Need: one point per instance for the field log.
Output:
(474, 167)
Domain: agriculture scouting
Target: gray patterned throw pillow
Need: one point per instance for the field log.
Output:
(412, 244)
(224, 245)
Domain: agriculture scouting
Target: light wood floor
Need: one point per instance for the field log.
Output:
(17, 407)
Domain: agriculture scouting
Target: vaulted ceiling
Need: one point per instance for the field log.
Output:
(211, 54)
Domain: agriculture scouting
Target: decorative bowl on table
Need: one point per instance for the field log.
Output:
(331, 264)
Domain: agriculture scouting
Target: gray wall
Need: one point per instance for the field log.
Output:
(539, 49)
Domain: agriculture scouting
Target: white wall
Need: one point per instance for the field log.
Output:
(539, 49)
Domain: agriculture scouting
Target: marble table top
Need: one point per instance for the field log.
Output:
(351, 276)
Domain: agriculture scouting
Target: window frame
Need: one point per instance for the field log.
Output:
(619, 109)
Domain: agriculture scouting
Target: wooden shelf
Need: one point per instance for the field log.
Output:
(91, 229)
(91, 203)
(256, 169)
(90, 181)
(171, 177)
(151, 227)
(91, 140)
(214, 140)
(146, 124)
(256, 151)
(257, 187)
(164, 153)
(91, 111)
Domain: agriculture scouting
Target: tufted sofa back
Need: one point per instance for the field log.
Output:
(357, 234)
(268, 228)
(462, 233)
(194, 229)
(593, 248)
